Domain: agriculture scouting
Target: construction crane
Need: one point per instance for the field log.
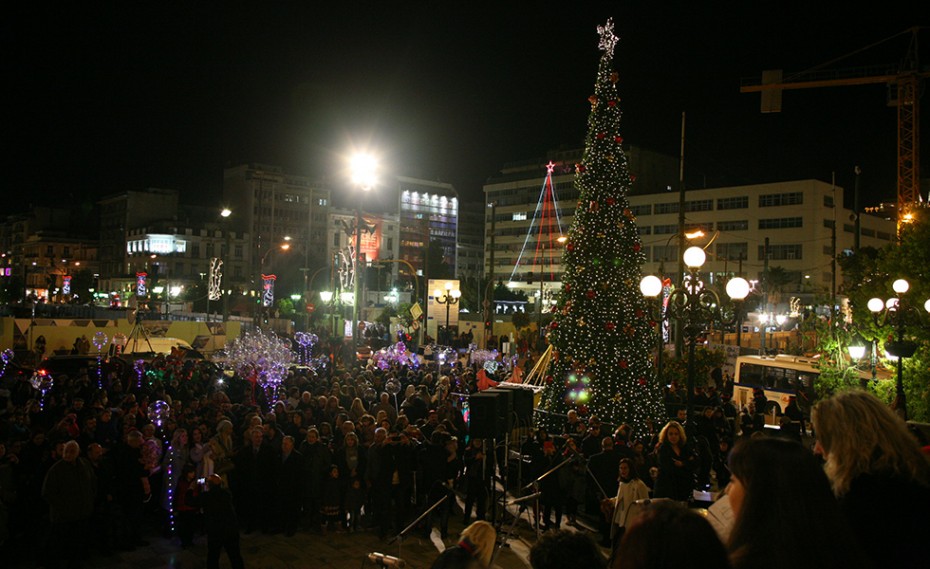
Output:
(903, 81)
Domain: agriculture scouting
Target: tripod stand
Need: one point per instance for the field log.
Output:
(138, 330)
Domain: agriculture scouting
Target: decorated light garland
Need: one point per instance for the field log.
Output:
(6, 356)
(100, 340)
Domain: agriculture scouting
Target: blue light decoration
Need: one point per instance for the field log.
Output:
(6, 356)
(159, 412)
(268, 290)
(139, 367)
(141, 289)
(170, 489)
(42, 382)
(100, 340)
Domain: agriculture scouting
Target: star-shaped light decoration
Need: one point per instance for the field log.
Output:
(550, 167)
(608, 39)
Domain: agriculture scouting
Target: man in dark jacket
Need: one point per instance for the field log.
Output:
(69, 488)
(603, 467)
(288, 485)
(254, 473)
(220, 521)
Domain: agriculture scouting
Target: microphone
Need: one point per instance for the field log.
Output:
(529, 498)
(386, 560)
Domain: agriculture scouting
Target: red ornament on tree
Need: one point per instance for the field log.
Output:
(611, 103)
(592, 99)
(601, 135)
(583, 409)
(568, 286)
(624, 364)
(642, 381)
(637, 247)
(549, 379)
(632, 177)
(553, 325)
(618, 139)
(611, 200)
(590, 294)
(593, 206)
(610, 326)
(639, 313)
(579, 168)
(570, 247)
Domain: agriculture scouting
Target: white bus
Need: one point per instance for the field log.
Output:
(780, 377)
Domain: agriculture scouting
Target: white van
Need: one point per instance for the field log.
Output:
(150, 345)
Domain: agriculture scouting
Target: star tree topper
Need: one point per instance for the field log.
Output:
(608, 39)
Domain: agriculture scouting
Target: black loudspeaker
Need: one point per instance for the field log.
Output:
(485, 416)
(504, 407)
(522, 404)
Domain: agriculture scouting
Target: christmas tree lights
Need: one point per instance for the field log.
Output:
(601, 333)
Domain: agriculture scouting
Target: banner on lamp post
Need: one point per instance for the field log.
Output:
(268, 290)
(141, 288)
(66, 285)
(215, 289)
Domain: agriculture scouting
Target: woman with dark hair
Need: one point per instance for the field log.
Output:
(669, 536)
(630, 490)
(786, 515)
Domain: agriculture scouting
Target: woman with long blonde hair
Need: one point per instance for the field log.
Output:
(879, 475)
(676, 464)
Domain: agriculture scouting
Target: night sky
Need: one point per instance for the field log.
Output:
(166, 94)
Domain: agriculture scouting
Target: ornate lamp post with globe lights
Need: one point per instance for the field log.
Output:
(450, 298)
(693, 306)
(899, 313)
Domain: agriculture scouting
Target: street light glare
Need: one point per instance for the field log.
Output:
(363, 167)
(738, 288)
(694, 257)
(876, 305)
(650, 286)
(900, 286)
(694, 234)
(226, 212)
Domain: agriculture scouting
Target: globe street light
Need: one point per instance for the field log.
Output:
(363, 174)
(898, 312)
(450, 297)
(692, 306)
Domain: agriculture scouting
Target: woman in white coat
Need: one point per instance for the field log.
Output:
(631, 490)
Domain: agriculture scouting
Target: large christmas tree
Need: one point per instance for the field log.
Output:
(602, 336)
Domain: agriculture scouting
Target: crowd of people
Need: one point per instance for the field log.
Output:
(89, 461)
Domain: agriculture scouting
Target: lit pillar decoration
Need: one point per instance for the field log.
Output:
(141, 289)
(100, 340)
(268, 290)
(215, 289)
(66, 285)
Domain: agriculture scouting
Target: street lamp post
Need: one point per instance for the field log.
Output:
(285, 246)
(692, 306)
(363, 176)
(450, 298)
(898, 312)
(224, 214)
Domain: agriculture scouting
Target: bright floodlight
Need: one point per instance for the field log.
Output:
(226, 212)
(900, 286)
(326, 295)
(347, 297)
(927, 305)
(650, 286)
(738, 288)
(764, 317)
(363, 168)
(780, 319)
(694, 257)
(561, 239)
(876, 304)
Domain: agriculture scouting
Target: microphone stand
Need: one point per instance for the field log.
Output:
(413, 524)
(535, 485)
(509, 532)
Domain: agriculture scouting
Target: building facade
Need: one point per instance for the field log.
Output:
(796, 217)
(428, 213)
(469, 263)
(270, 205)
